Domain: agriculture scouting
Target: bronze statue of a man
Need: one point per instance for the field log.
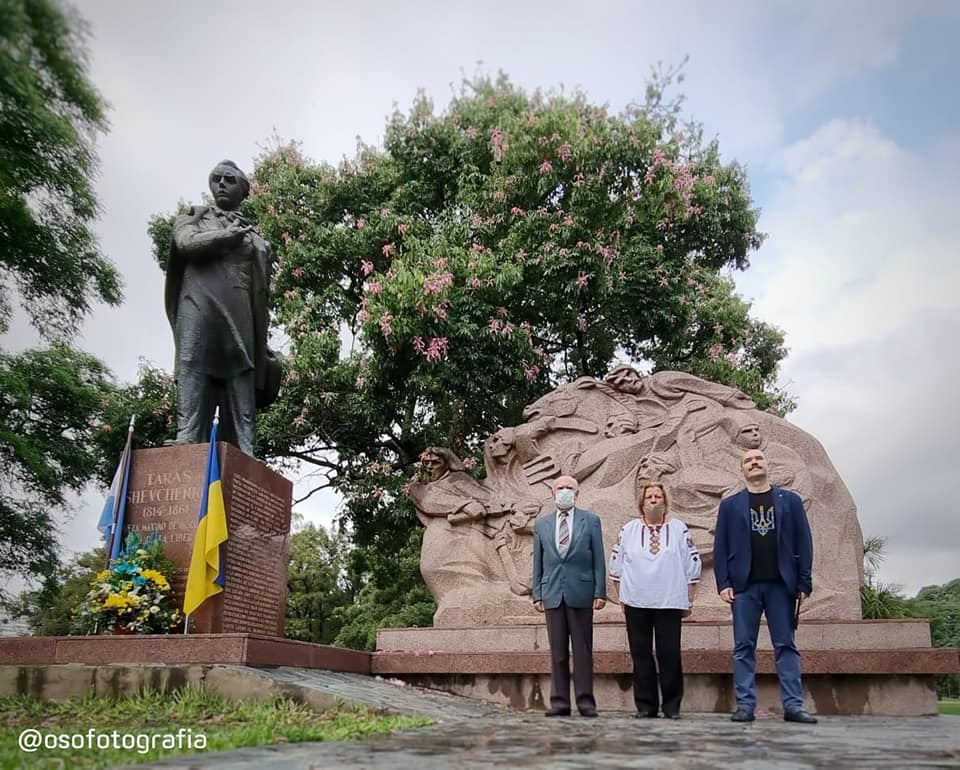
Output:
(216, 296)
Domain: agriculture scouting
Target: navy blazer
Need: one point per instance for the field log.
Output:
(732, 544)
(580, 575)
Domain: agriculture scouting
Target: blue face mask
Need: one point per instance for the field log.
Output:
(564, 498)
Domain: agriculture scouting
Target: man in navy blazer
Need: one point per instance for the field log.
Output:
(569, 583)
(763, 557)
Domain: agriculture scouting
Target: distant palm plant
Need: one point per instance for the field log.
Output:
(879, 599)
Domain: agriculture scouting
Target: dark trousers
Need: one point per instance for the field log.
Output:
(642, 625)
(771, 598)
(571, 627)
(198, 395)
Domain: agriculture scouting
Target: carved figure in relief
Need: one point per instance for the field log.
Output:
(612, 436)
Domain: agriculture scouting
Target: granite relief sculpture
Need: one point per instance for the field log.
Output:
(216, 298)
(612, 435)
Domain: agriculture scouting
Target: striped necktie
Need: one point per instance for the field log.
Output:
(564, 533)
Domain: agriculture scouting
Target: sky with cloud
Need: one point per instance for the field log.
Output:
(846, 115)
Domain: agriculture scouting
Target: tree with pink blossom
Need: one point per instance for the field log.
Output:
(432, 287)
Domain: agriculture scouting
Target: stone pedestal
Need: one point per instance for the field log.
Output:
(849, 667)
(164, 494)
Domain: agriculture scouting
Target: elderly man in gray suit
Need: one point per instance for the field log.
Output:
(569, 583)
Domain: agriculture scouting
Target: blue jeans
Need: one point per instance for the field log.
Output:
(772, 598)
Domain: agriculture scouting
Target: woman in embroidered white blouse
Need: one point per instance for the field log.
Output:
(656, 567)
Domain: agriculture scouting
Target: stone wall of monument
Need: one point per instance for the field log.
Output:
(163, 496)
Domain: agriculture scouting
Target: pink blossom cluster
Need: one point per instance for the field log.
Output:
(386, 324)
(435, 284)
(564, 151)
(531, 372)
(469, 463)
(433, 351)
(546, 167)
(366, 266)
(374, 287)
(388, 249)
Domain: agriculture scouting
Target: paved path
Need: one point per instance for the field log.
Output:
(474, 735)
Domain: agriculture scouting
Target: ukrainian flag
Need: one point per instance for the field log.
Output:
(205, 578)
(112, 517)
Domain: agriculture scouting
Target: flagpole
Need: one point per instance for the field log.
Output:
(121, 492)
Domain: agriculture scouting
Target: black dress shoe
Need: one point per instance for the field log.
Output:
(799, 716)
(672, 716)
(557, 713)
(742, 715)
(588, 712)
(645, 715)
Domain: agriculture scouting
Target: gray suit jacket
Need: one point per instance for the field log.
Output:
(579, 576)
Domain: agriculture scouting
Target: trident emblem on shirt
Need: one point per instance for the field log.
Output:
(761, 521)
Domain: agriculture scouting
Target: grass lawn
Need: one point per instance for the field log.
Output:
(950, 706)
(149, 723)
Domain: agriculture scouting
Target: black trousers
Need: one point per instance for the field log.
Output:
(571, 627)
(642, 625)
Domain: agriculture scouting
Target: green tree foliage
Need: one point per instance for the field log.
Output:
(51, 401)
(485, 255)
(879, 599)
(50, 610)
(429, 289)
(394, 596)
(49, 115)
(151, 400)
(51, 405)
(941, 604)
(319, 584)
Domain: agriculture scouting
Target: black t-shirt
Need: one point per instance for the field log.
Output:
(763, 537)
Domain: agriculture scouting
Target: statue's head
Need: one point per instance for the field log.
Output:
(748, 437)
(620, 424)
(500, 443)
(228, 185)
(626, 379)
(439, 460)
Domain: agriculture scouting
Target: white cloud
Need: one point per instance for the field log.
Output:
(860, 241)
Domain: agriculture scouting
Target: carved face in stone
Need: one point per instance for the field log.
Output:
(436, 466)
(754, 466)
(626, 379)
(620, 425)
(227, 187)
(748, 437)
(500, 444)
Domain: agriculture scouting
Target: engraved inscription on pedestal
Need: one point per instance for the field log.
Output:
(164, 494)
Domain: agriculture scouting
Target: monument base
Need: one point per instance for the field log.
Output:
(164, 496)
(849, 667)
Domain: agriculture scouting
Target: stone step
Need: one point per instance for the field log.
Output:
(709, 635)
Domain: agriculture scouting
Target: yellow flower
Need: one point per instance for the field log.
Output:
(102, 575)
(120, 601)
(157, 577)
